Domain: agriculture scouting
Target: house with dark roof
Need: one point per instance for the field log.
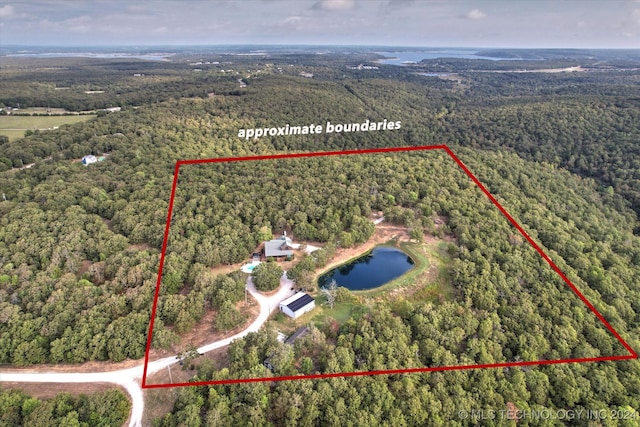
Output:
(297, 305)
(301, 332)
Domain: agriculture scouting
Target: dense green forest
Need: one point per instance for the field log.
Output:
(586, 122)
(105, 409)
(512, 306)
(79, 246)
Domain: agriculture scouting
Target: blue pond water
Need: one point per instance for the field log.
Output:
(371, 270)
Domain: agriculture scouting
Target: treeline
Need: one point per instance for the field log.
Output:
(179, 312)
(96, 212)
(105, 409)
(109, 83)
(511, 306)
(79, 245)
(585, 122)
(391, 400)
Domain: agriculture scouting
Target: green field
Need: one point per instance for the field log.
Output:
(15, 126)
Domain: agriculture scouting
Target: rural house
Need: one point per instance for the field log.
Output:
(87, 160)
(279, 249)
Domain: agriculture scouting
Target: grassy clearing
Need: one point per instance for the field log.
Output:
(438, 287)
(428, 280)
(12, 134)
(43, 110)
(15, 126)
(341, 312)
(157, 403)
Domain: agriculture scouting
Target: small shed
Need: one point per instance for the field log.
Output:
(301, 332)
(87, 160)
(297, 305)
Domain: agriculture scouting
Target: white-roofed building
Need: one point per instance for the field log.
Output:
(87, 160)
(297, 305)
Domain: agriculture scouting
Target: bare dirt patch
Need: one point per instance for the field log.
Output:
(84, 267)
(217, 358)
(140, 247)
(226, 269)
(159, 402)
(82, 367)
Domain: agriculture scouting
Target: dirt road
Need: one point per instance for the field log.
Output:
(130, 378)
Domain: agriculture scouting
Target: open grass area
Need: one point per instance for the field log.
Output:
(15, 126)
(341, 312)
(42, 110)
(428, 280)
(12, 134)
(439, 285)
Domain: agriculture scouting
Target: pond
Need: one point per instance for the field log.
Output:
(371, 270)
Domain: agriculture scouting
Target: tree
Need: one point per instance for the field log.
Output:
(228, 317)
(266, 276)
(264, 233)
(306, 281)
(330, 292)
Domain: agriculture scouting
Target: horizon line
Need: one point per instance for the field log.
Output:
(161, 45)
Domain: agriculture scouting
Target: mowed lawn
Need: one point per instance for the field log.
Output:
(15, 126)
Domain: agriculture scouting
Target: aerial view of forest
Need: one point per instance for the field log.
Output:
(479, 238)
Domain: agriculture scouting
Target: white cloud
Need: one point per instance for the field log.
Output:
(334, 4)
(476, 14)
(413, 22)
(6, 11)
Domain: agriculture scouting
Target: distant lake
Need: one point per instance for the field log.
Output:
(404, 58)
(371, 270)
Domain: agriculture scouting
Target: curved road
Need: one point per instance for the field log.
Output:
(130, 378)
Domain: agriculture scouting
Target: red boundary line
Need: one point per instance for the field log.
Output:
(632, 354)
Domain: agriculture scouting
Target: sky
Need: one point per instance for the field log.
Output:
(432, 23)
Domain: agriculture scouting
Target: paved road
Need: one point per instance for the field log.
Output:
(130, 378)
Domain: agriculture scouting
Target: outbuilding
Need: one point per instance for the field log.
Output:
(297, 305)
